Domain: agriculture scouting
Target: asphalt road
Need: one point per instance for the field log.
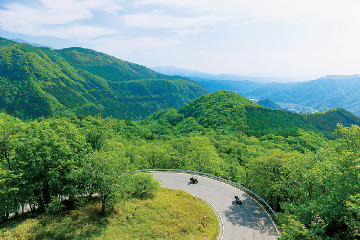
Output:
(246, 221)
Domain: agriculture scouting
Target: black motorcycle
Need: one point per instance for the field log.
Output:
(193, 180)
(238, 200)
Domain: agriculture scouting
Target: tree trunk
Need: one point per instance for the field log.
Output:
(103, 205)
(39, 200)
(46, 194)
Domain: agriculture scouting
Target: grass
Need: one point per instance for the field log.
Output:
(171, 214)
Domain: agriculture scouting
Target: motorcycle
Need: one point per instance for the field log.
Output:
(193, 180)
(238, 200)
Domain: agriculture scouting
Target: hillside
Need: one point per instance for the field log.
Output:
(43, 82)
(231, 111)
(327, 120)
(105, 66)
(267, 103)
(219, 109)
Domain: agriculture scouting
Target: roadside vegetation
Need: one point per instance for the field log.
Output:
(170, 214)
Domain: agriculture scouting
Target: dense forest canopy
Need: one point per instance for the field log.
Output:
(37, 82)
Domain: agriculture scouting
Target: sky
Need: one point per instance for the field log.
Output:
(258, 37)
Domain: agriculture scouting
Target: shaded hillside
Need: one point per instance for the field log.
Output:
(327, 120)
(267, 103)
(264, 121)
(41, 82)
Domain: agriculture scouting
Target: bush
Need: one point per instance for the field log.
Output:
(55, 206)
(145, 185)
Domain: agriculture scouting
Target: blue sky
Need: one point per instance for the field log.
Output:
(290, 37)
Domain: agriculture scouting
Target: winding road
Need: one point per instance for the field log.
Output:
(246, 221)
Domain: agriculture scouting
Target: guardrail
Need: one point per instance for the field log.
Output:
(224, 180)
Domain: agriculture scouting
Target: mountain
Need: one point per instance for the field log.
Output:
(240, 87)
(19, 40)
(39, 82)
(327, 120)
(201, 76)
(230, 111)
(321, 94)
(107, 67)
(267, 103)
(219, 109)
(333, 91)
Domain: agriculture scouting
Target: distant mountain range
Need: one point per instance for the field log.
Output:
(201, 76)
(340, 91)
(36, 82)
(19, 40)
(321, 94)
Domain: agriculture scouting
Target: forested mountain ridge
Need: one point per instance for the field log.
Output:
(229, 111)
(219, 109)
(327, 120)
(39, 82)
(105, 66)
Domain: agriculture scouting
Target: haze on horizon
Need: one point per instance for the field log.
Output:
(299, 37)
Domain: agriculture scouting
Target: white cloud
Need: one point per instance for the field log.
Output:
(54, 18)
(261, 10)
(75, 32)
(122, 44)
(166, 21)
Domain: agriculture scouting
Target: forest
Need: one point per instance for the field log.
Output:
(39, 82)
(310, 179)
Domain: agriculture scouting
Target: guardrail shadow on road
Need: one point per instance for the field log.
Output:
(250, 218)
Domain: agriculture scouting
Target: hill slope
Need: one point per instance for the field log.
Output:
(327, 120)
(219, 109)
(42, 82)
(228, 110)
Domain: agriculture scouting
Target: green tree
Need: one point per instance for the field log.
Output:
(266, 173)
(108, 174)
(9, 127)
(199, 154)
(10, 197)
(144, 185)
(48, 154)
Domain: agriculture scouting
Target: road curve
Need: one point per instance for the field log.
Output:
(246, 221)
